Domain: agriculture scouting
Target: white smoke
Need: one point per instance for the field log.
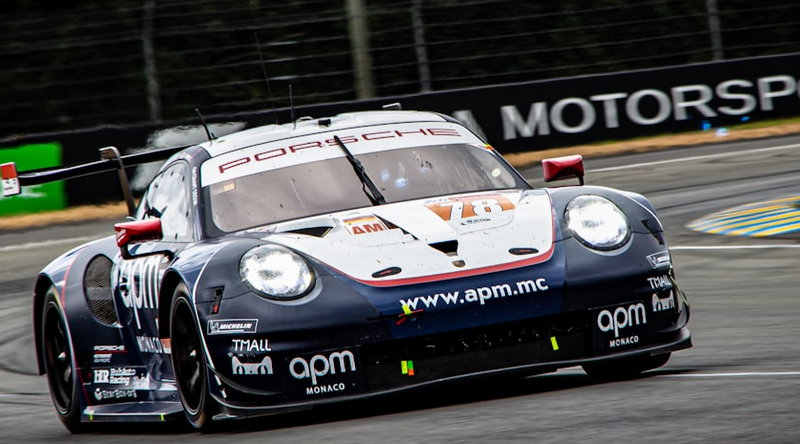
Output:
(176, 136)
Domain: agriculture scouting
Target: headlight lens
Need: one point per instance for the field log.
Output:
(597, 222)
(276, 272)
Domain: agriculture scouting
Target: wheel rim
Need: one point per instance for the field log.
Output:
(189, 369)
(59, 360)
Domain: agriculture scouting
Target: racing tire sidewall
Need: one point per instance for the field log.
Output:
(197, 402)
(64, 394)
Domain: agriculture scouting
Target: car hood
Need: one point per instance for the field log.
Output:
(428, 239)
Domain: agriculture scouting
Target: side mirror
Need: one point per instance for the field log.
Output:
(559, 168)
(136, 232)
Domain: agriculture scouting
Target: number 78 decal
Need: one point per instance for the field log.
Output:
(458, 208)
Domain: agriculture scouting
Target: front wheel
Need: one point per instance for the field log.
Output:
(189, 363)
(625, 368)
(61, 376)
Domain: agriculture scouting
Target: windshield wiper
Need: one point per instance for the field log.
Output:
(375, 196)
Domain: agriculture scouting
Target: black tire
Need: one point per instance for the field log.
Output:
(189, 363)
(57, 351)
(625, 368)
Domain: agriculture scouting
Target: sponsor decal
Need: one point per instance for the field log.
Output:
(480, 295)
(194, 186)
(621, 342)
(257, 368)
(103, 353)
(103, 394)
(250, 345)
(102, 358)
(326, 388)
(659, 282)
(659, 259)
(622, 318)
(660, 304)
(475, 221)
(364, 225)
(276, 151)
(407, 368)
(461, 208)
(324, 373)
(321, 365)
(138, 281)
(114, 376)
(10, 179)
(100, 376)
(227, 326)
(149, 344)
(109, 348)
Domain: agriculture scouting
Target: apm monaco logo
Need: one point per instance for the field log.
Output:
(320, 365)
(622, 318)
(226, 326)
(324, 374)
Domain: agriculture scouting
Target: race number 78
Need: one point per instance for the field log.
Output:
(465, 207)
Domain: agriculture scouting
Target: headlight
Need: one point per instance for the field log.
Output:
(275, 272)
(597, 222)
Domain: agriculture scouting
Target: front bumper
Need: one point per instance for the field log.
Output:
(527, 347)
(343, 345)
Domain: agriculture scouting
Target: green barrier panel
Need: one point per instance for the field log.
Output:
(49, 196)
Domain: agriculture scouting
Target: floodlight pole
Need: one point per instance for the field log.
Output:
(359, 45)
(714, 29)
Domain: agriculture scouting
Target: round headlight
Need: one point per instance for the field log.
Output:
(597, 222)
(276, 272)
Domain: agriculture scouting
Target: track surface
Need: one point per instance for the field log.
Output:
(739, 384)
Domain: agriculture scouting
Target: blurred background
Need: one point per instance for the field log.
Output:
(70, 64)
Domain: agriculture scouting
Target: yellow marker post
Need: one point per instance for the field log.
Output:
(554, 343)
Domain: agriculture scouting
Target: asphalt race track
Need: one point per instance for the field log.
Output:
(739, 384)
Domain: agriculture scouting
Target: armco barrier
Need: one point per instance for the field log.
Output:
(521, 117)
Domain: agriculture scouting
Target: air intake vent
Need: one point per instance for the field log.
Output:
(97, 285)
(449, 248)
(313, 231)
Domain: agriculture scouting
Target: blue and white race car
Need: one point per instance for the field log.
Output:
(331, 259)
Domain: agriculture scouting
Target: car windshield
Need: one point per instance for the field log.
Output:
(332, 185)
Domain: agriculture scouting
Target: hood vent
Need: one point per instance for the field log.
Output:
(523, 251)
(312, 231)
(391, 271)
(449, 248)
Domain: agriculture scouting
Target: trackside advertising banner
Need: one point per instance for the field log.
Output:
(563, 112)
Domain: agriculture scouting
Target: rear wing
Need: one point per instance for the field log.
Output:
(111, 160)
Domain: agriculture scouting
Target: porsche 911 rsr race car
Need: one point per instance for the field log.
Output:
(332, 259)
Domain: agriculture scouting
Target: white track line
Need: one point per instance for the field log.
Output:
(703, 157)
(732, 375)
(733, 247)
(47, 243)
